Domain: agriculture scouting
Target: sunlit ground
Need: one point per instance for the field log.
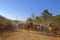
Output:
(24, 35)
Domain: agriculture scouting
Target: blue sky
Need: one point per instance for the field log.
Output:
(24, 8)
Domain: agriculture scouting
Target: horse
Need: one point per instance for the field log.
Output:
(51, 29)
(28, 26)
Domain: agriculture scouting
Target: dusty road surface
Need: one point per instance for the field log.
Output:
(23, 35)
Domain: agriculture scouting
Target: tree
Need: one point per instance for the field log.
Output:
(46, 16)
(56, 20)
(37, 20)
(29, 20)
(33, 17)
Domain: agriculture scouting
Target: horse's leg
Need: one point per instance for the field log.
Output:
(28, 29)
(52, 32)
(32, 28)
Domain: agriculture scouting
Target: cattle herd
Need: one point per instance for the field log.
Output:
(49, 29)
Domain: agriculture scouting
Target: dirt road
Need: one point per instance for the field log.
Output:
(23, 35)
